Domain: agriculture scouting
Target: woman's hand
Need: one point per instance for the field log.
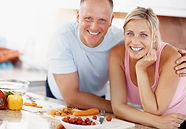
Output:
(147, 60)
(181, 64)
(170, 121)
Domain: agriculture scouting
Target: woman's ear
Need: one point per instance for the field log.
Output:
(155, 42)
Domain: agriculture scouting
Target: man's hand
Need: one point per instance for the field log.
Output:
(181, 64)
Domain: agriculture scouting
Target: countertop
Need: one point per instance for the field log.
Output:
(31, 118)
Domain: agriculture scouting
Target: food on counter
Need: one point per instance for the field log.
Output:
(60, 126)
(91, 111)
(7, 93)
(14, 86)
(69, 111)
(3, 102)
(33, 104)
(109, 118)
(61, 112)
(94, 117)
(78, 121)
(15, 102)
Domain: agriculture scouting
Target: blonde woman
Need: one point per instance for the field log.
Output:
(142, 72)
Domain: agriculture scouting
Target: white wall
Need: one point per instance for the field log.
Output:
(28, 29)
(27, 25)
(160, 7)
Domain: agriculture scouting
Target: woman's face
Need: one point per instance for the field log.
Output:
(138, 38)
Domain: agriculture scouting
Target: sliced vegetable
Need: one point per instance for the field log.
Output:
(91, 111)
(33, 104)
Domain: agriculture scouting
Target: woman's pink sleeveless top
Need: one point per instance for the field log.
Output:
(178, 103)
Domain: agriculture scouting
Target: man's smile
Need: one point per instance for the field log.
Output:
(93, 33)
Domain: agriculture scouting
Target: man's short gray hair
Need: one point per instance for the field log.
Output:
(110, 1)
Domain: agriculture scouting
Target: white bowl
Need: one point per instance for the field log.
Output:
(75, 126)
(15, 86)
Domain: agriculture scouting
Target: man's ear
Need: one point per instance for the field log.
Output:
(77, 18)
(111, 20)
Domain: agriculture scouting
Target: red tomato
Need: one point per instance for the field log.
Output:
(109, 118)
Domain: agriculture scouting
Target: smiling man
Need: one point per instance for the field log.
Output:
(79, 52)
(79, 56)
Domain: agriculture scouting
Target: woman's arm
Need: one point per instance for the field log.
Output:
(158, 102)
(147, 97)
(119, 97)
(119, 91)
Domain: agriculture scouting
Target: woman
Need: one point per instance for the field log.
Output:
(142, 72)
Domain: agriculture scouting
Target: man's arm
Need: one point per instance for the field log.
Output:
(181, 64)
(69, 87)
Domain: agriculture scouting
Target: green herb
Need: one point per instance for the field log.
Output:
(7, 93)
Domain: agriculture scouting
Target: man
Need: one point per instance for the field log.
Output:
(79, 55)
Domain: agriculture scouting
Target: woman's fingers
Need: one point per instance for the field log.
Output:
(171, 121)
(151, 55)
(179, 119)
(180, 116)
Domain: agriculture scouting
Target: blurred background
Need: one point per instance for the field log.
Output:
(28, 25)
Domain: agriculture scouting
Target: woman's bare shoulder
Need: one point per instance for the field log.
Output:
(170, 52)
(117, 54)
(169, 55)
(118, 49)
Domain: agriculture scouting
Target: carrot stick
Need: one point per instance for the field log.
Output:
(91, 111)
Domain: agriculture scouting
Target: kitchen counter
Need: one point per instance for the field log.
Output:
(33, 118)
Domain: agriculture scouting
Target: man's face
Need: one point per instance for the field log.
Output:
(94, 18)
